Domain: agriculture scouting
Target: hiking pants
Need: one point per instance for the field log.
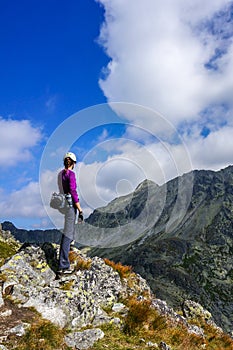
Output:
(67, 237)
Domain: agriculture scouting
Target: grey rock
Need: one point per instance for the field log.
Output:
(2, 347)
(164, 346)
(119, 308)
(196, 310)
(150, 344)
(85, 339)
(6, 313)
(196, 330)
(100, 320)
(3, 338)
(162, 307)
(52, 313)
(192, 309)
(20, 329)
(1, 299)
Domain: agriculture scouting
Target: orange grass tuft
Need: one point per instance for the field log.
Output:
(123, 270)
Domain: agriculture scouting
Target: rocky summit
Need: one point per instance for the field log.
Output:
(95, 294)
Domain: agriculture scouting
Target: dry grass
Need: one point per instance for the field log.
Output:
(42, 335)
(67, 285)
(144, 322)
(139, 315)
(123, 270)
(73, 255)
(79, 262)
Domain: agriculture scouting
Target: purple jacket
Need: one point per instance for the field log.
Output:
(67, 184)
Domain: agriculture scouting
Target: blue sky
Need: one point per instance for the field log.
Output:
(47, 66)
(165, 68)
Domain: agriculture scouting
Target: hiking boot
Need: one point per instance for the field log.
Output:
(72, 246)
(67, 271)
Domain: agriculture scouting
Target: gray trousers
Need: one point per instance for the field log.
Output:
(67, 237)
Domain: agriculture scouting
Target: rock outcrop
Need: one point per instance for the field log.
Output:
(75, 300)
(78, 302)
(70, 301)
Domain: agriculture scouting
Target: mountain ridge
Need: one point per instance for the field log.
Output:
(32, 236)
(193, 258)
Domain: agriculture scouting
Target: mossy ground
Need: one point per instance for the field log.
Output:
(176, 337)
(7, 250)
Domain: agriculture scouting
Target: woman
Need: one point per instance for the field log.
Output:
(67, 185)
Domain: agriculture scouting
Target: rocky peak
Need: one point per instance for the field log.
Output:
(187, 253)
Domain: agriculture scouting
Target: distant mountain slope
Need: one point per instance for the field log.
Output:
(188, 258)
(32, 236)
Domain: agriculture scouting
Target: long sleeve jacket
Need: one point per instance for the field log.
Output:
(67, 184)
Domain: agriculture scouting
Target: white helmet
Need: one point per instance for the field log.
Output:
(71, 156)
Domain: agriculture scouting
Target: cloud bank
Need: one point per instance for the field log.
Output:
(172, 56)
(175, 57)
(17, 139)
(20, 194)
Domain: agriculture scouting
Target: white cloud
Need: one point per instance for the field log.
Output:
(17, 138)
(119, 174)
(25, 202)
(214, 151)
(174, 57)
(100, 182)
(158, 52)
